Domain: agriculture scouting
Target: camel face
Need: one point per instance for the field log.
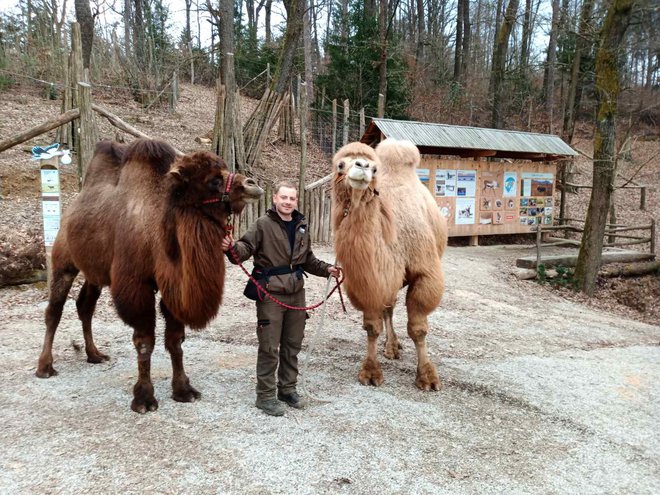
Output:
(203, 178)
(358, 164)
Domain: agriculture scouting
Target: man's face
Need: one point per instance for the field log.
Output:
(285, 201)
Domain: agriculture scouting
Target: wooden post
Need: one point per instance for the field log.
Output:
(174, 95)
(302, 88)
(642, 199)
(381, 105)
(562, 195)
(361, 122)
(216, 147)
(64, 133)
(268, 74)
(346, 112)
(50, 197)
(538, 248)
(239, 143)
(334, 126)
(474, 240)
(88, 134)
(228, 153)
(653, 236)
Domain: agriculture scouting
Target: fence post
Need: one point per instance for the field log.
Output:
(361, 122)
(653, 236)
(88, 134)
(302, 108)
(642, 199)
(174, 95)
(538, 248)
(218, 128)
(346, 112)
(334, 126)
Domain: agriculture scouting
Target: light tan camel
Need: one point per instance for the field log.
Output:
(388, 233)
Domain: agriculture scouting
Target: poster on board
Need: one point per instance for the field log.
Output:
(465, 213)
(466, 183)
(445, 183)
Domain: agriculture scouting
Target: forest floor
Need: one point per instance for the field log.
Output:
(544, 391)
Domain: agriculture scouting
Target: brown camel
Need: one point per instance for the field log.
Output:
(388, 233)
(146, 221)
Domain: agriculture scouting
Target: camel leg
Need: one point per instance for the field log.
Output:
(392, 344)
(423, 297)
(60, 284)
(135, 302)
(175, 335)
(371, 372)
(86, 304)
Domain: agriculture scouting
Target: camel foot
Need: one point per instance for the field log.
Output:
(392, 351)
(186, 393)
(143, 398)
(46, 371)
(97, 357)
(427, 378)
(144, 404)
(371, 373)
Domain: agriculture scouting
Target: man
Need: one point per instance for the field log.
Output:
(280, 244)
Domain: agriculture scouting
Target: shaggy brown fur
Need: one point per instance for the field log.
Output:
(388, 233)
(146, 222)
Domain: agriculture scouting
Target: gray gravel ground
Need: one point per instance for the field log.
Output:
(540, 395)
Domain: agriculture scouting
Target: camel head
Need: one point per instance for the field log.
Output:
(355, 165)
(203, 180)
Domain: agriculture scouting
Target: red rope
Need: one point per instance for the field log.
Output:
(260, 289)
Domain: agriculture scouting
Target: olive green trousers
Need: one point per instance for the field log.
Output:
(280, 332)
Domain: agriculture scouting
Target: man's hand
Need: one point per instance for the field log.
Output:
(227, 242)
(335, 271)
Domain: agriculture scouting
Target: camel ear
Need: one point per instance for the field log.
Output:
(177, 176)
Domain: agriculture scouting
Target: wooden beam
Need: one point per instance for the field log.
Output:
(19, 138)
(120, 124)
(571, 260)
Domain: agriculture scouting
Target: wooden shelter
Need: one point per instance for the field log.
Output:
(485, 181)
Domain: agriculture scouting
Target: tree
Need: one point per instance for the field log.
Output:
(86, 21)
(582, 45)
(551, 60)
(499, 63)
(608, 87)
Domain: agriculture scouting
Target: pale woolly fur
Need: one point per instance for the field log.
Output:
(386, 236)
(400, 231)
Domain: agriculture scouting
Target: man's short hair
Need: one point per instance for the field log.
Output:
(284, 183)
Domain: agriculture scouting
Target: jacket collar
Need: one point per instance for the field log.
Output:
(296, 216)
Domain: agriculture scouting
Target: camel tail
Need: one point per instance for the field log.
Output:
(155, 154)
(397, 154)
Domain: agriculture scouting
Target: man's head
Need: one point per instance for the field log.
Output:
(285, 199)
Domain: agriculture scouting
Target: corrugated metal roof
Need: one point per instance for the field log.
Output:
(455, 136)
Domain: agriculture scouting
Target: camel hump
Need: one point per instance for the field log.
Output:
(157, 155)
(105, 165)
(397, 154)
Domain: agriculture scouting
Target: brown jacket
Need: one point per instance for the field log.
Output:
(268, 242)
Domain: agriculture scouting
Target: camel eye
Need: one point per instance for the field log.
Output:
(341, 165)
(215, 183)
(375, 170)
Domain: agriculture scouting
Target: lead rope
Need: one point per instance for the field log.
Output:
(312, 343)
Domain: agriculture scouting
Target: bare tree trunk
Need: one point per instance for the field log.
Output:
(582, 44)
(421, 33)
(382, 27)
(128, 26)
(551, 59)
(608, 87)
(526, 38)
(309, 61)
(499, 63)
(467, 38)
(269, 36)
(458, 50)
(86, 21)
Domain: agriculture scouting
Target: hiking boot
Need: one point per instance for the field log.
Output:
(270, 406)
(292, 400)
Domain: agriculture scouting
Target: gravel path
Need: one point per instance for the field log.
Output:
(541, 395)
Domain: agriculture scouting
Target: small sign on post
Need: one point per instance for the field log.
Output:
(49, 160)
